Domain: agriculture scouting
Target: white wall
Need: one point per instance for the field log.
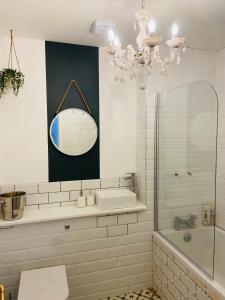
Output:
(23, 120)
(117, 123)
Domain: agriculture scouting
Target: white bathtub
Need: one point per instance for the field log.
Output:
(199, 253)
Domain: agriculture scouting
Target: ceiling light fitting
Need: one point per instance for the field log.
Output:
(128, 62)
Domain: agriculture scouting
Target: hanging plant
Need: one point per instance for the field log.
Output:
(11, 79)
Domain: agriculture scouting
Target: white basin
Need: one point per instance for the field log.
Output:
(115, 198)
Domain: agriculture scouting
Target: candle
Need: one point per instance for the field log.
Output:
(90, 200)
(174, 30)
(151, 26)
(81, 201)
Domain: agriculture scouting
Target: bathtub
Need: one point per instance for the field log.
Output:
(198, 253)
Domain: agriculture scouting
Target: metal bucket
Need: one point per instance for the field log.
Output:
(12, 205)
(2, 292)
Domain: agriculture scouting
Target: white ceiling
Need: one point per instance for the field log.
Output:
(202, 22)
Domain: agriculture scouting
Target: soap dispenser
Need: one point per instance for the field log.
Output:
(206, 214)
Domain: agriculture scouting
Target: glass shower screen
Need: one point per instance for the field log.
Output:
(186, 147)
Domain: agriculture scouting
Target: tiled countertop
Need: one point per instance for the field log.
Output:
(68, 212)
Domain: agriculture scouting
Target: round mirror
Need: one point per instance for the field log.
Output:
(73, 132)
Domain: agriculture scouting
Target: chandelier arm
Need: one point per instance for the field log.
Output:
(117, 65)
(150, 58)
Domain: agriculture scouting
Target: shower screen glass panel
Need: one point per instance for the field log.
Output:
(186, 140)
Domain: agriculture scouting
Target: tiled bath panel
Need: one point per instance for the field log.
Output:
(173, 280)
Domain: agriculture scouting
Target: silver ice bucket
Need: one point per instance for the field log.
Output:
(12, 205)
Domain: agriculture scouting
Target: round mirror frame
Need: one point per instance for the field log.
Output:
(94, 128)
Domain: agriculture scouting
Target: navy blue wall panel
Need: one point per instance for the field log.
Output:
(65, 62)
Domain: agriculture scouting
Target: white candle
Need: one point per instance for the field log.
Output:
(81, 202)
(174, 30)
(90, 200)
(151, 26)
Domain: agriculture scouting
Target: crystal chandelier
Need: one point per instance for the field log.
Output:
(128, 62)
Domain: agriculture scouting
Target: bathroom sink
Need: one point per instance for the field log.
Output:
(115, 198)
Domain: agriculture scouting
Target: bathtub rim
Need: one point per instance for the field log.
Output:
(210, 282)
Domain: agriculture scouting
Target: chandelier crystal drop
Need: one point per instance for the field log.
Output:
(129, 62)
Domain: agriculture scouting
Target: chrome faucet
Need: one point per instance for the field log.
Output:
(132, 177)
(182, 223)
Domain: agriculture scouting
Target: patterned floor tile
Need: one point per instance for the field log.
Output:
(142, 295)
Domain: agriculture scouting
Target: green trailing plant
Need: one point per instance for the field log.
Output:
(10, 80)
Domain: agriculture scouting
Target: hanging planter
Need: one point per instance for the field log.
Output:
(11, 79)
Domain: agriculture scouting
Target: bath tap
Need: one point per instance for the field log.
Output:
(190, 222)
(182, 223)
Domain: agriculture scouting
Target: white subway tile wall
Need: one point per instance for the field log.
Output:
(63, 193)
(27, 188)
(34, 199)
(98, 251)
(100, 255)
(59, 197)
(117, 230)
(90, 184)
(71, 185)
(47, 187)
(7, 188)
(128, 218)
(74, 195)
(110, 182)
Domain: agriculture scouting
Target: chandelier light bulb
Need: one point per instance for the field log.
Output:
(116, 42)
(151, 26)
(111, 36)
(174, 30)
